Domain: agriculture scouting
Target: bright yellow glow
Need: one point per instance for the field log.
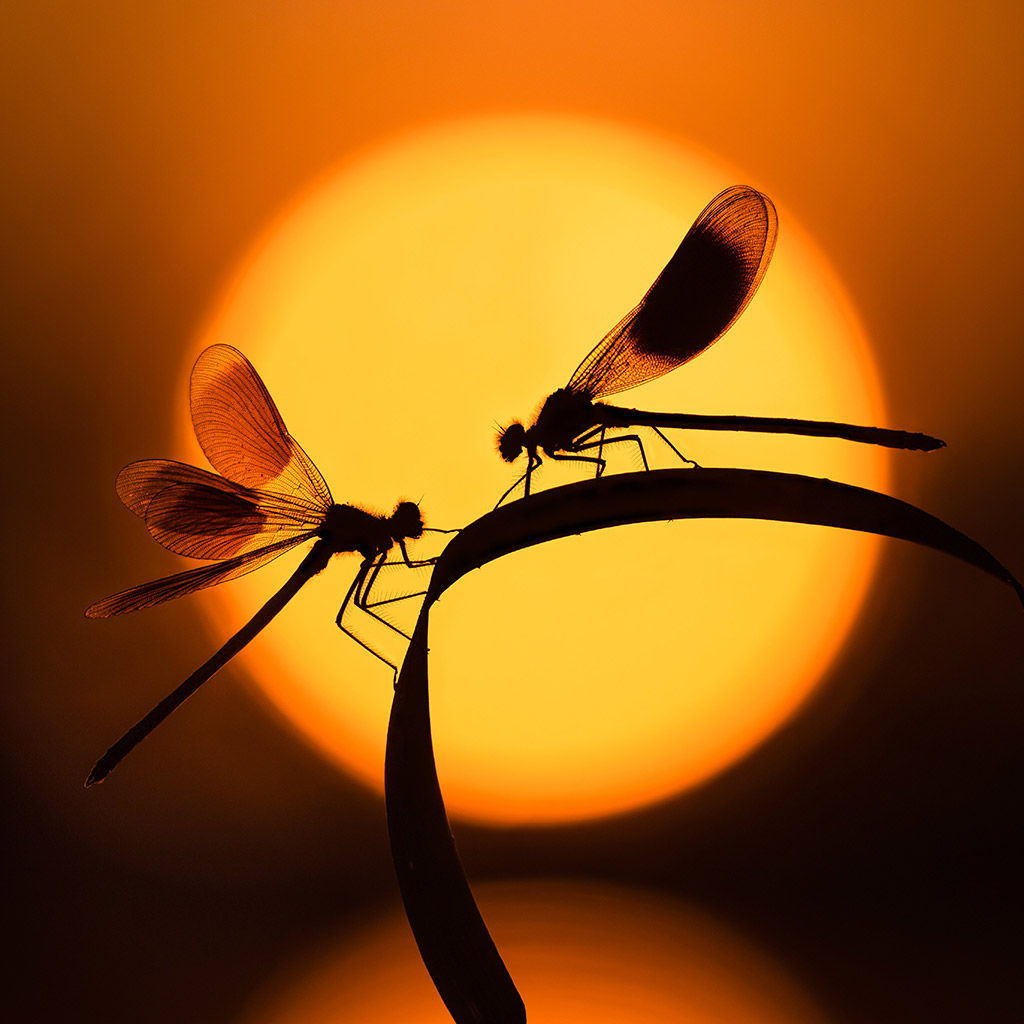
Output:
(579, 954)
(452, 278)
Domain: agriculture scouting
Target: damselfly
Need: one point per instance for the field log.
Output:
(694, 301)
(266, 497)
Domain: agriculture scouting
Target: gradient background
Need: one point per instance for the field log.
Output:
(867, 847)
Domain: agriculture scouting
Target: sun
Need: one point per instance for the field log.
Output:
(443, 283)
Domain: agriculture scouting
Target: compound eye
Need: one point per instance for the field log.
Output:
(511, 441)
(407, 520)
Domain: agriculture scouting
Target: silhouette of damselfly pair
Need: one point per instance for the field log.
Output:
(704, 287)
(266, 497)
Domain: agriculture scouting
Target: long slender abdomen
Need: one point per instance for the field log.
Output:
(614, 416)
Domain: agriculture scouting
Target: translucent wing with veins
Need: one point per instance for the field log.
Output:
(270, 497)
(169, 588)
(199, 514)
(695, 299)
(242, 433)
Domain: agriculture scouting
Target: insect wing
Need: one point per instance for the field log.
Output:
(695, 299)
(202, 515)
(183, 583)
(242, 433)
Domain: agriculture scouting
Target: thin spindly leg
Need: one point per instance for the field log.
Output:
(600, 444)
(571, 456)
(589, 435)
(353, 590)
(675, 449)
(519, 480)
(361, 597)
(531, 465)
(417, 563)
(586, 441)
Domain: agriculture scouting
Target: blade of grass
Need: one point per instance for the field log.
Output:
(456, 947)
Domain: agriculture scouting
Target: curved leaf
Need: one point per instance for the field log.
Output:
(453, 940)
(699, 494)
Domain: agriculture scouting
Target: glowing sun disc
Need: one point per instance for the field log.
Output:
(452, 278)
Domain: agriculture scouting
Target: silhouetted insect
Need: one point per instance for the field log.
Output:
(265, 498)
(694, 301)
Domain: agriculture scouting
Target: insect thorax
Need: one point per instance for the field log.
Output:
(563, 417)
(348, 528)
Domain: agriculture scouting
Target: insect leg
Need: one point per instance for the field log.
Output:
(362, 586)
(412, 563)
(352, 596)
(674, 448)
(364, 568)
(361, 598)
(611, 440)
(519, 480)
(533, 462)
(586, 441)
(571, 456)
(581, 445)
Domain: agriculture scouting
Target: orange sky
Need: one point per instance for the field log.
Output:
(145, 147)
